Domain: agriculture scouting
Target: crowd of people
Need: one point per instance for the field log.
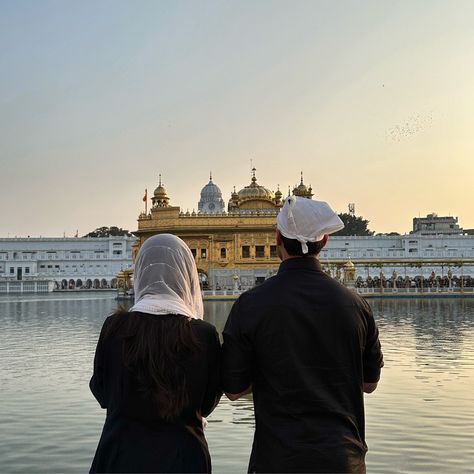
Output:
(433, 281)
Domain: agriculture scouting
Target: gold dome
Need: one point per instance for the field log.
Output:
(255, 191)
(160, 196)
(349, 265)
(302, 188)
(160, 191)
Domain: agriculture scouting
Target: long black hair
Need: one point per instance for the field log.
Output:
(155, 349)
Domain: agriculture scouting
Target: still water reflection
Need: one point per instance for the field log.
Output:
(421, 419)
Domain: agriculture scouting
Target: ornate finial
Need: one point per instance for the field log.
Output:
(278, 193)
(301, 177)
(253, 175)
(159, 182)
(234, 189)
(289, 192)
(210, 175)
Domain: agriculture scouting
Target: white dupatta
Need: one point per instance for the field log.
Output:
(166, 279)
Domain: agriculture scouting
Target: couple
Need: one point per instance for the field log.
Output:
(306, 347)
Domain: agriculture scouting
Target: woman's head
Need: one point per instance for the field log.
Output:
(166, 278)
(166, 282)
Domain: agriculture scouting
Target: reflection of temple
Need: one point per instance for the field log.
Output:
(234, 249)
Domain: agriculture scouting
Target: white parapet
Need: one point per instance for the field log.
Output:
(26, 286)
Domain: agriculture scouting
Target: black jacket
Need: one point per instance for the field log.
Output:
(306, 344)
(134, 437)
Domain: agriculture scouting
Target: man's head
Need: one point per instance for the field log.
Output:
(303, 226)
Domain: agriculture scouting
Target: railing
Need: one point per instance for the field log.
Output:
(25, 286)
(420, 291)
(366, 291)
(221, 293)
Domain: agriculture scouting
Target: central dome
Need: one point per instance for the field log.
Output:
(255, 198)
(255, 191)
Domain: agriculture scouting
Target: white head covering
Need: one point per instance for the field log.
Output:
(306, 220)
(166, 279)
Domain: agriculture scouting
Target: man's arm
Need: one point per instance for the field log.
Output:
(372, 356)
(369, 387)
(237, 355)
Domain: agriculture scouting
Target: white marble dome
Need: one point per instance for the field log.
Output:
(211, 201)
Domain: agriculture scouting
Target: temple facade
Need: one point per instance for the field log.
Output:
(234, 249)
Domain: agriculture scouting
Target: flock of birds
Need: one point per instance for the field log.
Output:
(413, 125)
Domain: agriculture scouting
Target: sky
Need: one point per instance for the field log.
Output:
(372, 100)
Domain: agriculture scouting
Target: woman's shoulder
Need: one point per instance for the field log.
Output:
(203, 325)
(117, 323)
(204, 328)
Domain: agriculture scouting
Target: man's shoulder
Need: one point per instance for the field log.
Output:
(344, 296)
(280, 287)
(263, 292)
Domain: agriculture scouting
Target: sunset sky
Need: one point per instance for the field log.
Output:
(372, 100)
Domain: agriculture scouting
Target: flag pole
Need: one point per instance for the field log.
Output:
(146, 201)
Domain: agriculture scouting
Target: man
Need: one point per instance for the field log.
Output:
(307, 347)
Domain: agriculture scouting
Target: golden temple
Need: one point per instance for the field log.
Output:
(234, 249)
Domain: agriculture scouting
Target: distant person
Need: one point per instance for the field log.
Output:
(156, 369)
(307, 347)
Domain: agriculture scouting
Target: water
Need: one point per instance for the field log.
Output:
(420, 419)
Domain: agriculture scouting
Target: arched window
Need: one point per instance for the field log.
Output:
(223, 253)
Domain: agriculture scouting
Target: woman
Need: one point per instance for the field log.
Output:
(156, 369)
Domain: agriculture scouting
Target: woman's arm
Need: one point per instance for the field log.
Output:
(96, 383)
(213, 390)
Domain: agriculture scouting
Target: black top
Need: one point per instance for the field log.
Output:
(307, 344)
(134, 437)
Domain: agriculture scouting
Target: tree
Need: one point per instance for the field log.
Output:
(354, 225)
(108, 232)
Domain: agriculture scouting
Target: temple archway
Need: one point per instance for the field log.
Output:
(203, 279)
